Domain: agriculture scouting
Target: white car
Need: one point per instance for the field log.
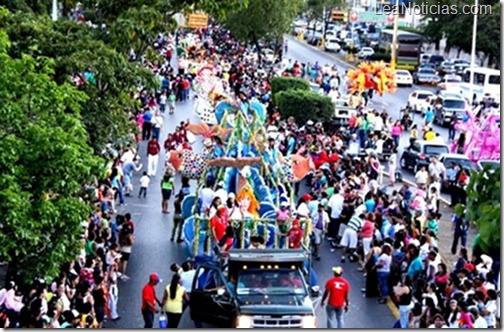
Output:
(331, 34)
(417, 99)
(332, 45)
(450, 83)
(365, 52)
(269, 55)
(403, 77)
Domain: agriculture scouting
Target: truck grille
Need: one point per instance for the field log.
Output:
(264, 322)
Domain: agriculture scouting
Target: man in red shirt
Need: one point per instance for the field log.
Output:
(153, 149)
(149, 300)
(337, 289)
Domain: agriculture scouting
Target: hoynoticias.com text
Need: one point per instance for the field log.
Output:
(436, 9)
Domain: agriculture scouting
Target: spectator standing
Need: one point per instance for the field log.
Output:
(337, 289)
(173, 301)
(153, 150)
(149, 300)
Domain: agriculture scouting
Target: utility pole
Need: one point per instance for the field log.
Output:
(393, 51)
(324, 18)
(473, 55)
(54, 13)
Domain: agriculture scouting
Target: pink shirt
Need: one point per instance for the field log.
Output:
(396, 131)
(282, 215)
(367, 230)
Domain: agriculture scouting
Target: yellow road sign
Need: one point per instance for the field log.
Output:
(197, 21)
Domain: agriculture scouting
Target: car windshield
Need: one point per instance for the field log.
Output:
(402, 73)
(435, 149)
(423, 96)
(459, 104)
(270, 282)
(464, 163)
(427, 71)
(436, 58)
(452, 80)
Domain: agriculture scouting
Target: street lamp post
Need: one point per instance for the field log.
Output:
(393, 52)
(324, 18)
(473, 54)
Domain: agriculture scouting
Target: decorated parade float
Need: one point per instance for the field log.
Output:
(235, 152)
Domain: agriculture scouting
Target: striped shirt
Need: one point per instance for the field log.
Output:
(355, 223)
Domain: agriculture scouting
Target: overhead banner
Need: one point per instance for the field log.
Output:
(197, 21)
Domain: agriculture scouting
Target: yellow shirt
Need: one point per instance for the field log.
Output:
(430, 135)
(175, 306)
(414, 133)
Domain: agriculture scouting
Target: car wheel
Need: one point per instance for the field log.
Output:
(403, 164)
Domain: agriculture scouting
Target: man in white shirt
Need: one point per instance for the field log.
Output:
(335, 203)
(479, 322)
(436, 168)
(221, 192)
(207, 195)
(157, 122)
(187, 276)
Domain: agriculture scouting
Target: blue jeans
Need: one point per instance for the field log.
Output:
(404, 311)
(155, 132)
(383, 279)
(148, 317)
(334, 317)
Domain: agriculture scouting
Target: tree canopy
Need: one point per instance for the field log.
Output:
(483, 207)
(457, 29)
(263, 19)
(44, 161)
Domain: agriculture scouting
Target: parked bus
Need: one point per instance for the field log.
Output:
(409, 47)
(486, 81)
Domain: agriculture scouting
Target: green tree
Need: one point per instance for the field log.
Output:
(77, 50)
(483, 207)
(263, 19)
(314, 9)
(44, 161)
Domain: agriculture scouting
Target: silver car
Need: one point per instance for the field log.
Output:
(426, 76)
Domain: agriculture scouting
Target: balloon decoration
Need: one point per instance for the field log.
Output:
(374, 76)
(206, 131)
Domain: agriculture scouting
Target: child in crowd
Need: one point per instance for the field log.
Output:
(144, 184)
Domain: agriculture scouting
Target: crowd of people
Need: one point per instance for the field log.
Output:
(394, 236)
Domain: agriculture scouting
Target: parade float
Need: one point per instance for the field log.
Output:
(235, 152)
(376, 76)
(482, 137)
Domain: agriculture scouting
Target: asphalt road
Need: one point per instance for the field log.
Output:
(153, 251)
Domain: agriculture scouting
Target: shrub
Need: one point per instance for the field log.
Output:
(279, 84)
(304, 106)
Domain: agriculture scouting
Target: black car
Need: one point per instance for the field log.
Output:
(436, 60)
(417, 155)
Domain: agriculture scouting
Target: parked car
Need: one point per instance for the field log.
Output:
(446, 68)
(419, 153)
(493, 164)
(365, 52)
(436, 60)
(403, 77)
(450, 83)
(426, 75)
(332, 45)
(457, 159)
(446, 105)
(416, 100)
(461, 66)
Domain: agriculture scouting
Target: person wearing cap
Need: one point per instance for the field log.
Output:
(337, 290)
(149, 300)
(438, 322)
(302, 210)
(221, 192)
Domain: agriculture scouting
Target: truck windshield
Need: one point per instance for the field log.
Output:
(278, 282)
